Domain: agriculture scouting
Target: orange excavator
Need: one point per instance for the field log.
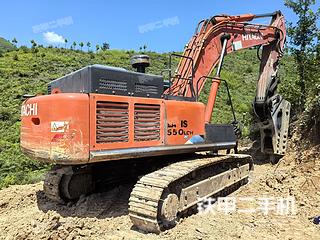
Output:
(103, 125)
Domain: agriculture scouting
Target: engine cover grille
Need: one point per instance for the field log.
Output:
(147, 89)
(146, 122)
(112, 122)
(113, 85)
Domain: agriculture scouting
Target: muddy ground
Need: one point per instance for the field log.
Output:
(25, 212)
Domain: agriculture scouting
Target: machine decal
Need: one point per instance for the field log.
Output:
(174, 130)
(29, 110)
(195, 139)
(252, 36)
(59, 126)
(237, 45)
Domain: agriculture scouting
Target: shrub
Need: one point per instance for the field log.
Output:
(15, 57)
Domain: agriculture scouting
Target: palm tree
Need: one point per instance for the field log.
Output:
(97, 47)
(65, 43)
(144, 47)
(88, 45)
(33, 43)
(74, 44)
(105, 46)
(14, 41)
(81, 44)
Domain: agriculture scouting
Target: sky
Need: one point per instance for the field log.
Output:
(162, 26)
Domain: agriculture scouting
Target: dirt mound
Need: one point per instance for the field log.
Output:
(25, 212)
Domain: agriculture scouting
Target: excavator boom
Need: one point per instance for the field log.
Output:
(219, 35)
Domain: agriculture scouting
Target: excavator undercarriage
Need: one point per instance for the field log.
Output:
(164, 193)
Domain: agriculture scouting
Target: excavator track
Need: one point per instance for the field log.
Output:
(65, 183)
(159, 197)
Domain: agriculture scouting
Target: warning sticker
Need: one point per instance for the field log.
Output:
(59, 126)
(237, 45)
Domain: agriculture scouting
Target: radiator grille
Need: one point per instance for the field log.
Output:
(113, 85)
(142, 88)
(112, 122)
(146, 122)
(49, 89)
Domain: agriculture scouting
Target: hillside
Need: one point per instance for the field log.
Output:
(27, 71)
(5, 45)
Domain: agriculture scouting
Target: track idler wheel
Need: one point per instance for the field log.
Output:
(169, 210)
(75, 185)
(68, 183)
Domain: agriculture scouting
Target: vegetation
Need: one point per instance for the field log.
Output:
(105, 46)
(305, 49)
(303, 39)
(27, 71)
(5, 45)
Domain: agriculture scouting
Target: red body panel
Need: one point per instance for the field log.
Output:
(184, 120)
(58, 130)
(65, 127)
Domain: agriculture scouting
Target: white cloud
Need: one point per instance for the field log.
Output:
(52, 37)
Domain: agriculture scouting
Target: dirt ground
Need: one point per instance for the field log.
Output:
(25, 212)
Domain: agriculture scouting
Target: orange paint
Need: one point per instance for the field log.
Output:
(64, 143)
(186, 119)
(69, 125)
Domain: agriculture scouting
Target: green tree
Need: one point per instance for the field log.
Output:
(81, 44)
(88, 45)
(14, 41)
(33, 43)
(65, 43)
(144, 47)
(105, 46)
(302, 38)
(74, 44)
(97, 47)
